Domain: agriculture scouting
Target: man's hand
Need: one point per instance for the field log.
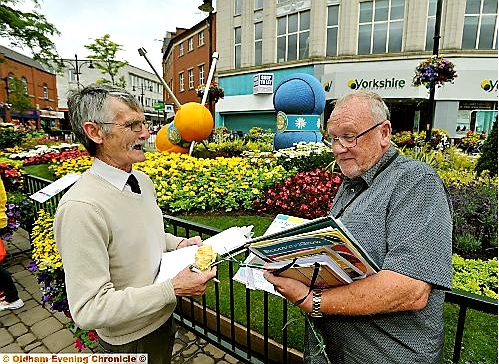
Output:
(195, 240)
(189, 283)
(291, 289)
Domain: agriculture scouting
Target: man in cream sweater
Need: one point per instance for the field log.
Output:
(110, 233)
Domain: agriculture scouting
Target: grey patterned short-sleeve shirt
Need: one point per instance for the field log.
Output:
(403, 220)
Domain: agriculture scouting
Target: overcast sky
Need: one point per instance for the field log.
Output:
(131, 23)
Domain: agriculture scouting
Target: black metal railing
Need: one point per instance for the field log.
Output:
(206, 317)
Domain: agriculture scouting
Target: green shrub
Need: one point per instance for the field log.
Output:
(467, 243)
(9, 137)
(488, 157)
(475, 275)
(475, 214)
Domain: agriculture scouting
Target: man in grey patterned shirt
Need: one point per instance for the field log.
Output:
(398, 209)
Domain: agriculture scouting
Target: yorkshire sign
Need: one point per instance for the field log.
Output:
(375, 83)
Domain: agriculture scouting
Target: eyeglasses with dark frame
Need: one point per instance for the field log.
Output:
(351, 141)
(135, 126)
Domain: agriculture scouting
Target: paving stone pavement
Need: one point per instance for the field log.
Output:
(35, 329)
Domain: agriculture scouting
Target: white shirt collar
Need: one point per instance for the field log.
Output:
(113, 175)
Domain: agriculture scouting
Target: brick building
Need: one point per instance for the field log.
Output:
(38, 84)
(187, 60)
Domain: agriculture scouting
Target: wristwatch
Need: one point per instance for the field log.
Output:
(316, 303)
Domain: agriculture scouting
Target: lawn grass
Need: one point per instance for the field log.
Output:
(480, 334)
(39, 170)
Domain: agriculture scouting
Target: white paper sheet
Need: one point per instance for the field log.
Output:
(173, 262)
(55, 187)
(253, 277)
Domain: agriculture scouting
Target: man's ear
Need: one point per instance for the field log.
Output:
(386, 132)
(93, 132)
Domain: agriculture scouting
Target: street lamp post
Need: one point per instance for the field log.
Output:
(141, 87)
(77, 64)
(208, 7)
(436, 44)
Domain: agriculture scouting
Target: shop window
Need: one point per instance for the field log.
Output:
(381, 24)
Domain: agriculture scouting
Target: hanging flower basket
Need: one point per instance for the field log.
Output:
(435, 70)
(215, 92)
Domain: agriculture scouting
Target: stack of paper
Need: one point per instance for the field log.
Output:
(173, 262)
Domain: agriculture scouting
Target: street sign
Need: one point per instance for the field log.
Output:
(159, 106)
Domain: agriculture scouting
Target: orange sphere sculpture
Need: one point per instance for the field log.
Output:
(164, 144)
(194, 122)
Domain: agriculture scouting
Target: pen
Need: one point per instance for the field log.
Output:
(196, 270)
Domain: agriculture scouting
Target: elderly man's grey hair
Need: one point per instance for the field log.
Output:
(92, 104)
(379, 110)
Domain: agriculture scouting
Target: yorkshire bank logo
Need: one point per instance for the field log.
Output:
(489, 85)
(356, 84)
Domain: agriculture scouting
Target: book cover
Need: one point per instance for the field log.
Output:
(340, 257)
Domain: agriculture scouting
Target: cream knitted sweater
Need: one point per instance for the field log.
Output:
(111, 243)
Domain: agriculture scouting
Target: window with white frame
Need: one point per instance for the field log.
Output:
(332, 30)
(190, 44)
(201, 74)
(293, 33)
(237, 47)
(258, 4)
(45, 91)
(237, 7)
(381, 25)
(181, 49)
(24, 83)
(190, 78)
(181, 81)
(71, 75)
(201, 38)
(480, 25)
(430, 24)
(258, 43)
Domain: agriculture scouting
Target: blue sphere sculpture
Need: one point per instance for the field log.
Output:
(300, 93)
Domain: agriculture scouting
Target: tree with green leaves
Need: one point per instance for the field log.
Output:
(104, 52)
(29, 29)
(18, 97)
(488, 155)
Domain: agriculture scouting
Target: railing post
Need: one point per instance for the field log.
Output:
(459, 333)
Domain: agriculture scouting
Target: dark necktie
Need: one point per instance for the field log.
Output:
(133, 183)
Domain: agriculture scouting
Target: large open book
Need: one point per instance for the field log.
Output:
(320, 253)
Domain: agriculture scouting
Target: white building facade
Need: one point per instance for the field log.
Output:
(355, 44)
(145, 85)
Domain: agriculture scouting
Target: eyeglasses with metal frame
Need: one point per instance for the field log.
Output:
(135, 126)
(350, 141)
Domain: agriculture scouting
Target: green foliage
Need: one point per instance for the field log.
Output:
(9, 137)
(488, 157)
(104, 50)
(475, 215)
(29, 29)
(257, 134)
(467, 243)
(20, 100)
(475, 276)
(26, 206)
